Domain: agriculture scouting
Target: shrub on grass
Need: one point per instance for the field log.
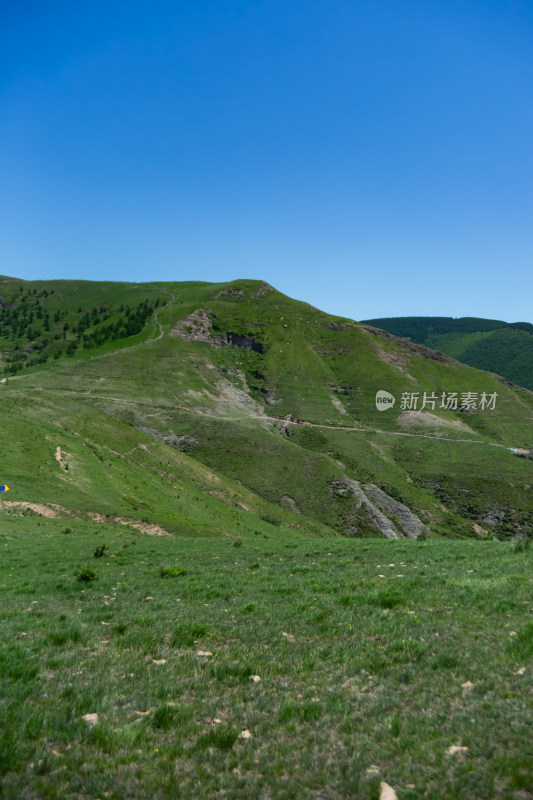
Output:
(270, 520)
(172, 572)
(85, 575)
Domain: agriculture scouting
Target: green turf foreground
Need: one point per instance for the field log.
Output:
(372, 659)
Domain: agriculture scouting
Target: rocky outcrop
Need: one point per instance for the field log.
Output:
(290, 504)
(387, 515)
(198, 327)
(231, 294)
(178, 442)
(341, 325)
(248, 342)
(410, 525)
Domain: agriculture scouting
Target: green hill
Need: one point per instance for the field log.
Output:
(505, 348)
(134, 402)
(226, 572)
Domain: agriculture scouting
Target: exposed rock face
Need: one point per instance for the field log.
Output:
(197, 327)
(232, 398)
(182, 442)
(382, 523)
(341, 326)
(290, 504)
(411, 525)
(249, 342)
(380, 507)
(265, 288)
(493, 517)
(231, 294)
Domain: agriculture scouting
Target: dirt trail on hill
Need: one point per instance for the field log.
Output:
(278, 420)
(261, 416)
(156, 315)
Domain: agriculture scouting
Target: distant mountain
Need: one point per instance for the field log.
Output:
(226, 409)
(505, 348)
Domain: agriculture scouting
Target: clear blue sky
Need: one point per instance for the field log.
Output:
(371, 157)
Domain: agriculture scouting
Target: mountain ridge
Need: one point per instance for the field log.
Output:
(504, 348)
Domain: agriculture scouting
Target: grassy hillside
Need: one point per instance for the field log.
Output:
(254, 581)
(501, 347)
(269, 395)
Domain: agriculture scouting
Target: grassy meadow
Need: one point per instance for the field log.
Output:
(372, 659)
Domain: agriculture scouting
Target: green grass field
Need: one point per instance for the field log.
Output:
(374, 659)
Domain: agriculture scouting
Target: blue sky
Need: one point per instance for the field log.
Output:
(371, 157)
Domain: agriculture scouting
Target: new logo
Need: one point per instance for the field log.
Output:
(384, 400)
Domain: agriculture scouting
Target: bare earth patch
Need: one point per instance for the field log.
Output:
(151, 528)
(53, 511)
(95, 517)
(59, 458)
(229, 400)
(232, 398)
(39, 508)
(337, 403)
(393, 359)
(408, 419)
(145, 527)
